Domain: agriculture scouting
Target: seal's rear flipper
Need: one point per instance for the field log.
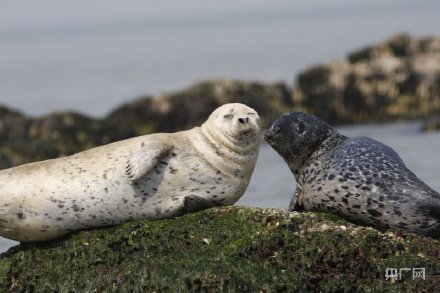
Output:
(145, 159)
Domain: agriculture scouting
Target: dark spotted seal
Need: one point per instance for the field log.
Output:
(148, 177)
(359, 178)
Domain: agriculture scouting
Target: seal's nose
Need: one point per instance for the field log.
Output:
(243, 120)
(271, 132)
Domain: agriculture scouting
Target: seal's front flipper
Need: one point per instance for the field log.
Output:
(195, 203)
(295, 203)
(145, 159)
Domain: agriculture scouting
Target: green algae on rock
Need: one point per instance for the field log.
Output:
(224, 249)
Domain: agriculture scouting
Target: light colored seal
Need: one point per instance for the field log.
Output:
(359, 178)
(148, 177)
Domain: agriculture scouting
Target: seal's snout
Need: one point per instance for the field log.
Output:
(271, 132)
(243, 120)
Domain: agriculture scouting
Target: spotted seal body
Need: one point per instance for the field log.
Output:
(148, 177)
(359, 178)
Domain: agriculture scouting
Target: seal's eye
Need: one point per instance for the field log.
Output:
(228, 116)
(300, 127)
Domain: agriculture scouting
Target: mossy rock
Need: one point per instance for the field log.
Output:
(224, 249)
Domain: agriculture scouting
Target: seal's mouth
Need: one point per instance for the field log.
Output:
(249, 131)
(246, 132)
(271, 134)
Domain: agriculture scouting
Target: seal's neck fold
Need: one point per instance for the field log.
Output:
(229, 157)
(332, 140)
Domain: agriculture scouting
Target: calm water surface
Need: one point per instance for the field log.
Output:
(272, 184)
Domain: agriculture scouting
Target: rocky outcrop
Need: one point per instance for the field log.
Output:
(396, 80)
(190, 107)
(231, 249)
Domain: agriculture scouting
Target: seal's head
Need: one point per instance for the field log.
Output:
(236, 122)
(296, 136)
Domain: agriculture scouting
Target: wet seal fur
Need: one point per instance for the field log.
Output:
(148, 177)
(359, 178)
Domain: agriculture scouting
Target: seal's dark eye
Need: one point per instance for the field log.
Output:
(300, 127)
(228, 116)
